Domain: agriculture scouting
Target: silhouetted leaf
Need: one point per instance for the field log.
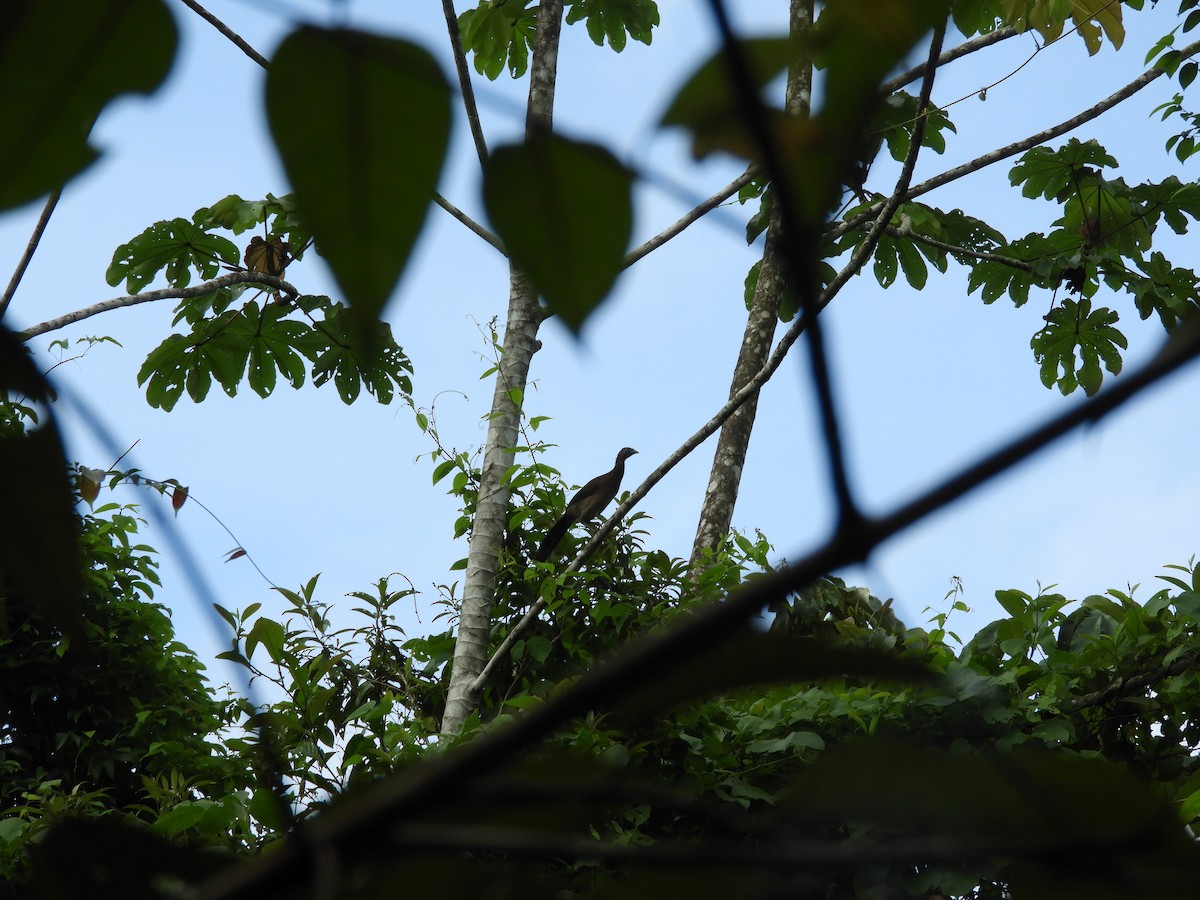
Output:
(39, 554)
(565, 211)
(362, 123)
(110, 859)
(61, 63)
(709, 106)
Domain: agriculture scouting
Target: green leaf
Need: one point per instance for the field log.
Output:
(61, 63)
(1073, 344)
(338, 357)
(362, 123)
(1054, 174)
(270, 634)
(499, 32)
(1049, 17)
(1015, 603)
(613, 19)
(177, 246)
(1173, 293)
(565, 211)
(709, 106)
(444, 468)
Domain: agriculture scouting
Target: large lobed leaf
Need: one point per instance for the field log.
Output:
(499, 33)
(1074, 342)
(176, 246)
(260, 344)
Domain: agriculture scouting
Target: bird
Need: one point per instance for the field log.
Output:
(587, 504)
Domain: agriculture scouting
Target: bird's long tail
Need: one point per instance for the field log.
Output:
(553, 536)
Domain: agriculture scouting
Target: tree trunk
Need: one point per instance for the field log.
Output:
(520, 343)
(720, 497)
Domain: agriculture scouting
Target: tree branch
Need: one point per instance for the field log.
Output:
(909, 234)
(691, 216)
(1020, 146)
(1054, 131)
(1124, 687)
(236, 38)
(464, 81)
(470, 223)
(957, 52)
(30, 248)
(165, 294)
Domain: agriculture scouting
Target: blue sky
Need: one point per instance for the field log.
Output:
(928, 380)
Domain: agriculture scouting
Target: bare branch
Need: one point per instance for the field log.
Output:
(909, 234)
(30, 248)
(464, 81)
(1054, 131)
(691, 216)
(165, 294)
(227, 31)
(958, 52)
(470, 223)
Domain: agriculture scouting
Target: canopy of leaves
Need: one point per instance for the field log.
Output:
(117, 716)
(500, 33)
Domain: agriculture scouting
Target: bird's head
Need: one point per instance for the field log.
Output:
(625, 453)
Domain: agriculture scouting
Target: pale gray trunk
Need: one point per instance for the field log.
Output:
(520, 342)
(720, 497)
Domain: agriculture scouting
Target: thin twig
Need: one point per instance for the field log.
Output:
(956, 52)
(227, 31)
(198, 290)
(691, 216)
(464, 81)
(909, 234)
(470, 223)
(30, 248)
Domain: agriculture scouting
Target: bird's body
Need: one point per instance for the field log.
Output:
(588, 503)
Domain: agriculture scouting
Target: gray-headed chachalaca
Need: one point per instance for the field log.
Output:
(587, 504)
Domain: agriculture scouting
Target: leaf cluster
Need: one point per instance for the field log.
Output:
(232, 342)
(500, 33)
